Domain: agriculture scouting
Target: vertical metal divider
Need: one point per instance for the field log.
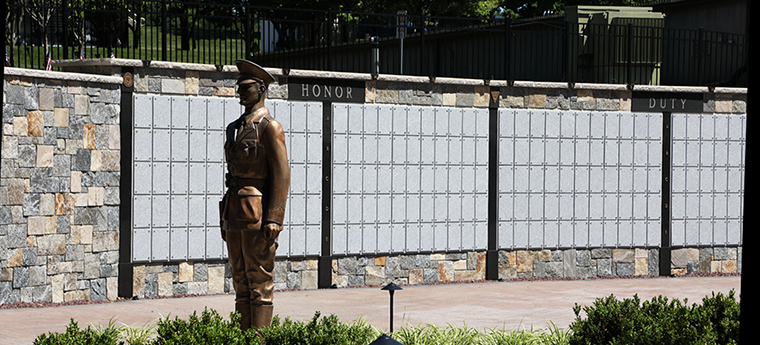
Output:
(492, 253)
(324, 279)
(665, 216)
(125, 184)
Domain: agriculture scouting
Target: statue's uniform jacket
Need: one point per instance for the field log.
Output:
(257, 180)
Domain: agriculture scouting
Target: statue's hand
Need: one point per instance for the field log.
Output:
(272, 231)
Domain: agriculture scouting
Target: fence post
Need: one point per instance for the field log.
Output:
(566, 52)
(700, 44)
(629, 76)
(65, 28)
(163, 30)
(248, 52)
(423, 54)
(507, 42)
(330, 20)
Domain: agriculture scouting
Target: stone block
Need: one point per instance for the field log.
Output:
(52, 244)
(80, 234)
(165, 284)
(36, 225)
(543, 255)
(6, 274)
(601, 253)
(445, 271)
(309, 279)
(81, 105)
(569, 262)
(216, 279)
(294, 280)
(16, 258)
(20, 277)
(728, 266)
(56, 287)
(61, 116)
(537, 98)
(30, 256)
(679, 258)
(524, 261)
(91, 266)
(507, 271)
(95, 196)
(138, 280)
(36, 294)
(185, 271)
(98, 290)
(548, 269)
(604, 267)
(20, 126)
(112, 288)
(641, 266)
(105, 241)
(200, 272)
(88, 136)
(35, 123)
(76, 181)
(76, 295)
(347, 266)
(373, 275)
(416, 276)
(47, 98)
(47, 205)
(353, 280)
(623, 255)
(96, 160)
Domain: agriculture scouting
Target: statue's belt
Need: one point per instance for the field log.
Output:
(232, 182)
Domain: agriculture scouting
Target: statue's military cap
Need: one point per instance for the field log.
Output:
(250, 72)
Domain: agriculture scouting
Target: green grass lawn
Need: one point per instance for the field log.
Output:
(221, 51)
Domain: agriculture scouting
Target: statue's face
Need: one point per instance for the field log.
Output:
(250, 94)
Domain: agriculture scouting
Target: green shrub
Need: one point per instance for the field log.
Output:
(210, 328)
(327, 331)
(659, 321)
(433, 335)
(76, 336)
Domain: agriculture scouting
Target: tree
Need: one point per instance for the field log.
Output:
(14, 14)
(535, 8)
(41, 11)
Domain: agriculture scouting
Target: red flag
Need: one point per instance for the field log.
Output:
(81, 54)
(48, 62)
(112, 55)
(7, 58)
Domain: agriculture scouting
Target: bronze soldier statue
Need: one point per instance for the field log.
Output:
(253, 208)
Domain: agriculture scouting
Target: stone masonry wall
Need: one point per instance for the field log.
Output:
(59, 187)
(181, 278)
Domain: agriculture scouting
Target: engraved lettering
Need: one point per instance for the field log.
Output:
(328, 91)
(316, 90)
(305, 90)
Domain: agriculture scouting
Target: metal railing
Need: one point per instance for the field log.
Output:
(636, 52)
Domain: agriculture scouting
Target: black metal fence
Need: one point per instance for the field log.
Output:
(633, 52)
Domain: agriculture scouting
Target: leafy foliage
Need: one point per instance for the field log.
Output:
(325, 331)
(432, 335)
(659, 321)
(75, 336)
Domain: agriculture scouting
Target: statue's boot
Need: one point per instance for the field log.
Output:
(244, 309)
(261, 315)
